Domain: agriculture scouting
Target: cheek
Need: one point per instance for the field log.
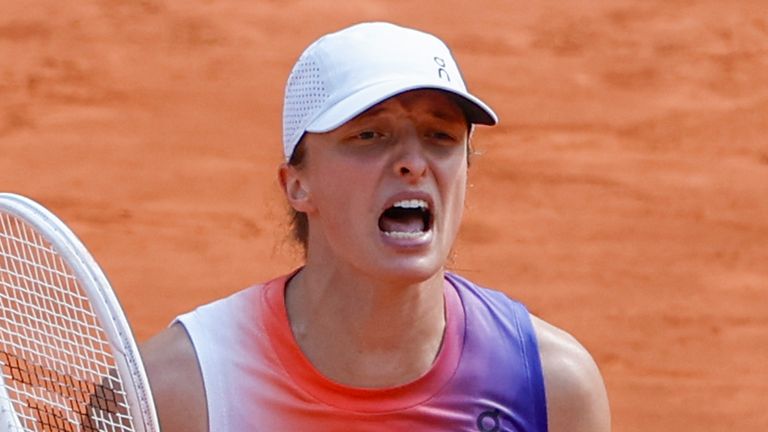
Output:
(460, 193)
(459, 174)
(455, 193)
(338, 191)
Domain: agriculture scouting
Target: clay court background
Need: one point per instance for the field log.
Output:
(624, 196)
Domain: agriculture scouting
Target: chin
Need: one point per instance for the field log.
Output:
(409, 271)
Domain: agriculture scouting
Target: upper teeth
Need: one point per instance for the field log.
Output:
(412, 203)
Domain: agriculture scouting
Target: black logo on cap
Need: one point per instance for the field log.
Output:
(441, 71)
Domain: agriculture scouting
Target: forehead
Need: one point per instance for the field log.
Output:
(428, 103)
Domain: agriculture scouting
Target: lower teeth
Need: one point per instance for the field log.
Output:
(404, 235)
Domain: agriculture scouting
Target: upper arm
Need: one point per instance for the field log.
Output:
(576, 397)
(175, 380)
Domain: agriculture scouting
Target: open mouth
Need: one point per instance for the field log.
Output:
(406, 219)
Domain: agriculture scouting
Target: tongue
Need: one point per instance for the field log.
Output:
(403, 223)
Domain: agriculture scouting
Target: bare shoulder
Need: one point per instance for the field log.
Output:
(576, 397)
(176, 381)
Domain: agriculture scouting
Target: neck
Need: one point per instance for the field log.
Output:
(363, 332)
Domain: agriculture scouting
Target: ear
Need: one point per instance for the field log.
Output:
(295, 187)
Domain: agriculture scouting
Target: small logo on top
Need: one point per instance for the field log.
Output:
(489, 421)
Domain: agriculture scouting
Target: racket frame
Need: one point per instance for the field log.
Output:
(103, 300)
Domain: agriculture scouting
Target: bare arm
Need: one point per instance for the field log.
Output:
(576, 397)
(176, 381)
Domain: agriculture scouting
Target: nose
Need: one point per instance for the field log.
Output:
(410, 161)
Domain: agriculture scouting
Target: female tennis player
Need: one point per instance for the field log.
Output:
(373, 333)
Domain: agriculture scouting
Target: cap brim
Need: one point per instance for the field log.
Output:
(477, 111)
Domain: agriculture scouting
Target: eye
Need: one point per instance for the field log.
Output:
(443, 137)
(368, 135)
(365, 137)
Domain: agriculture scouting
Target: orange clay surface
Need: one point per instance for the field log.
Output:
(624, 197)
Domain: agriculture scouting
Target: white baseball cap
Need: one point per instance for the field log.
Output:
(343, 74)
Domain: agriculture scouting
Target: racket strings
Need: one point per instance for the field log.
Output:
(57, 370)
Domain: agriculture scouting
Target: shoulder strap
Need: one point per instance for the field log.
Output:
(512, 319)
(532, 356)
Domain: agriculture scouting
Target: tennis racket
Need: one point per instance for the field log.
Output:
(69, 361)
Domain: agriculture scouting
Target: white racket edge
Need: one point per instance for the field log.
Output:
(105, 306)
(9, 421)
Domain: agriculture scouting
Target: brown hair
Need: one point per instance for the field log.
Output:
(299, 222)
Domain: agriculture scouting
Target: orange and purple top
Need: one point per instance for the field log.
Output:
(486, 377)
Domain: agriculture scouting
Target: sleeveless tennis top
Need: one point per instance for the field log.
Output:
(486, 377)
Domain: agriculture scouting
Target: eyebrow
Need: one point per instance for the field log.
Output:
(371, 112)
(445, 115)
(436, 113)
